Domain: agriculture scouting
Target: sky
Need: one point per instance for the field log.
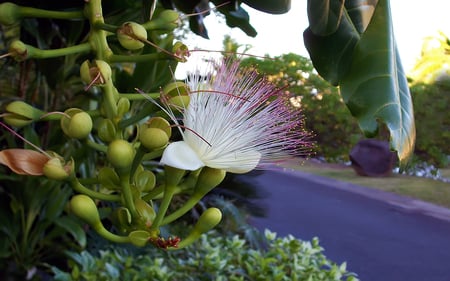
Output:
(413, 20)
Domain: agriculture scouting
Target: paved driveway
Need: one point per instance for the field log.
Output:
(383, 237)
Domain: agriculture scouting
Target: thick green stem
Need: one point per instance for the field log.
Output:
(127, 194)
(167, 198)
(97, 37)
(110, 100)
(183, 209)
(140, 58)
(96, 146)
(107, 27)
(45, 54)
(28, 12)
(77, 186)
(111, 236)
(146, 96)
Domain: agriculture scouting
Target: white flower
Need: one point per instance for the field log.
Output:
(236, 121)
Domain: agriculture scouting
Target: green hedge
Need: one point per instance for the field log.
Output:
(214, 257)
(432, 122)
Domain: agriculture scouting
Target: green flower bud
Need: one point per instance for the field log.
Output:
(106, 130)
(19, 114)
(16, 121)
(56, 169)
(96, 73)
(176, 95)
(19, 50)
(121, 218)
(160, 123)
(153, 138)
(208, 179)
(9, 13)
(123, 106)
(167, 20)
(139, 238)
(129, 35)
(84, 207)
(108, 178)
(181, 51)
(145, 180)
(146, 212)
(208, 220)
(120, 154)
(25, 110)
(76, 123)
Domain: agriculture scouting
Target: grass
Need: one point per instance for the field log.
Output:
(429, 190)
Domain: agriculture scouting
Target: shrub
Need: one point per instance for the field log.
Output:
(432, 122)
(213, 257)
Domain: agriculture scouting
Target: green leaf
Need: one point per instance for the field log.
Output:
(331, 54)
(375, 89)
(270, 6)
(74, 228)
(324, 16)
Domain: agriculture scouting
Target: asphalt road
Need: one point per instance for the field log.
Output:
(381, 236)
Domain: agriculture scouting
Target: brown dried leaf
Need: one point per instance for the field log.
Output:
(24, 161)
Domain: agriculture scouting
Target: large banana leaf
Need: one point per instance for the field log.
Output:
(366, 65)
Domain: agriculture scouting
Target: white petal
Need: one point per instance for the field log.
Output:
(180, 155)
(238, 164)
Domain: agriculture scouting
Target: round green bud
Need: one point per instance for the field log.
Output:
(84, 207)
(76, 123)
(153, 138)
(9, 13)
(160, 123)
(130, 35)
(56, 170)
(120, 154)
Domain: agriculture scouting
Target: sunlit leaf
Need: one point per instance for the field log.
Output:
(375, 89)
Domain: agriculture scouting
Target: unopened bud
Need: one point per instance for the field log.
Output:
(181, 51)
(167, 20)
(95, 73)
(76, 123)
(57, 169)
(84, 207)
(9, 13)
(106, 130)
(120, 154)
(153, 138)
(208, 179)
(176, 95)
(129, 35)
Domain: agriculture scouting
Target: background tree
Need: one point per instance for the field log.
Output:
(335, 130)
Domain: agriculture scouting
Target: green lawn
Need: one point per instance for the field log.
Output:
(433, 191)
